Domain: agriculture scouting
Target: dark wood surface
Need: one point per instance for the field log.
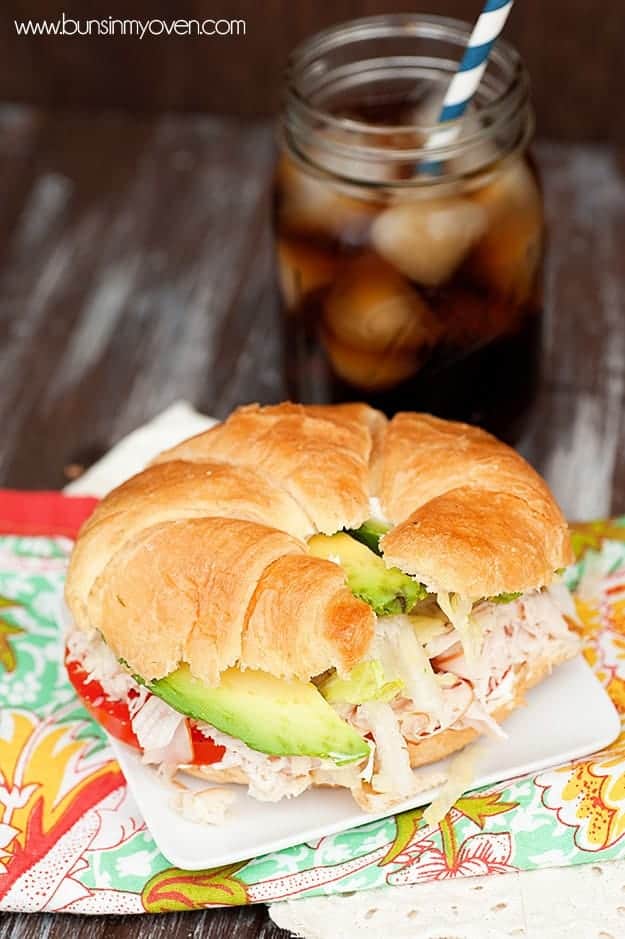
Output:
(574, 50)
(135, 269)
(241, 923)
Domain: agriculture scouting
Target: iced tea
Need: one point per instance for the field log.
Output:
(407, 281)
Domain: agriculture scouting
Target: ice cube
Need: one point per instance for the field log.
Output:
(309, 203)
(371, 307)
(370, 371)
(302, 269)
(427, 239)
(508, 257)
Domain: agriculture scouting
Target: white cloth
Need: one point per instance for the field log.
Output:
(585, 902)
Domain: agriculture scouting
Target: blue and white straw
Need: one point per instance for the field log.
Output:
(465, 82)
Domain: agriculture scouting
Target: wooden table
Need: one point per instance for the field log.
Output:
(135, 268)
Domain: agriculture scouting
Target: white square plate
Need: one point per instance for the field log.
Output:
(567, 716)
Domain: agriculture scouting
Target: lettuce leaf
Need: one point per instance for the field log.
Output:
(505, 597)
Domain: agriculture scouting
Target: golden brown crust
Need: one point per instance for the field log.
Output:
(471, 516)
(424, 457)
(477, 542)
(179, 591)
(320, 456)
(206, 547)
(171, 492)
(298, 631)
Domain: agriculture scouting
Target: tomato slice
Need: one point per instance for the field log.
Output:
(114, 716)
(205, 750)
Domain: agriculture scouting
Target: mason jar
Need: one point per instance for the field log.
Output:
(409, 268)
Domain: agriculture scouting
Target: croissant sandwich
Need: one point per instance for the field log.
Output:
(315, 595)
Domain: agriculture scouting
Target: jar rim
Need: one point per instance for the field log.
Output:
(506, 102)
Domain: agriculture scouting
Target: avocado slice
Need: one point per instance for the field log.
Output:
(365, 682)
(279, 716)
(387, 589)
(370, 533)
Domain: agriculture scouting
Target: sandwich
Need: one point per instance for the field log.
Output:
(317, 596)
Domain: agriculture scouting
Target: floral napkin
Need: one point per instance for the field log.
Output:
(71, 837)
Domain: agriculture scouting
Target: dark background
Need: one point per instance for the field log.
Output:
(575, 50)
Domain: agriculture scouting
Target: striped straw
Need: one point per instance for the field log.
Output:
(465, 82)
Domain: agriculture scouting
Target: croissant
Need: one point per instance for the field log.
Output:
(202, 559)
(169, 563)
